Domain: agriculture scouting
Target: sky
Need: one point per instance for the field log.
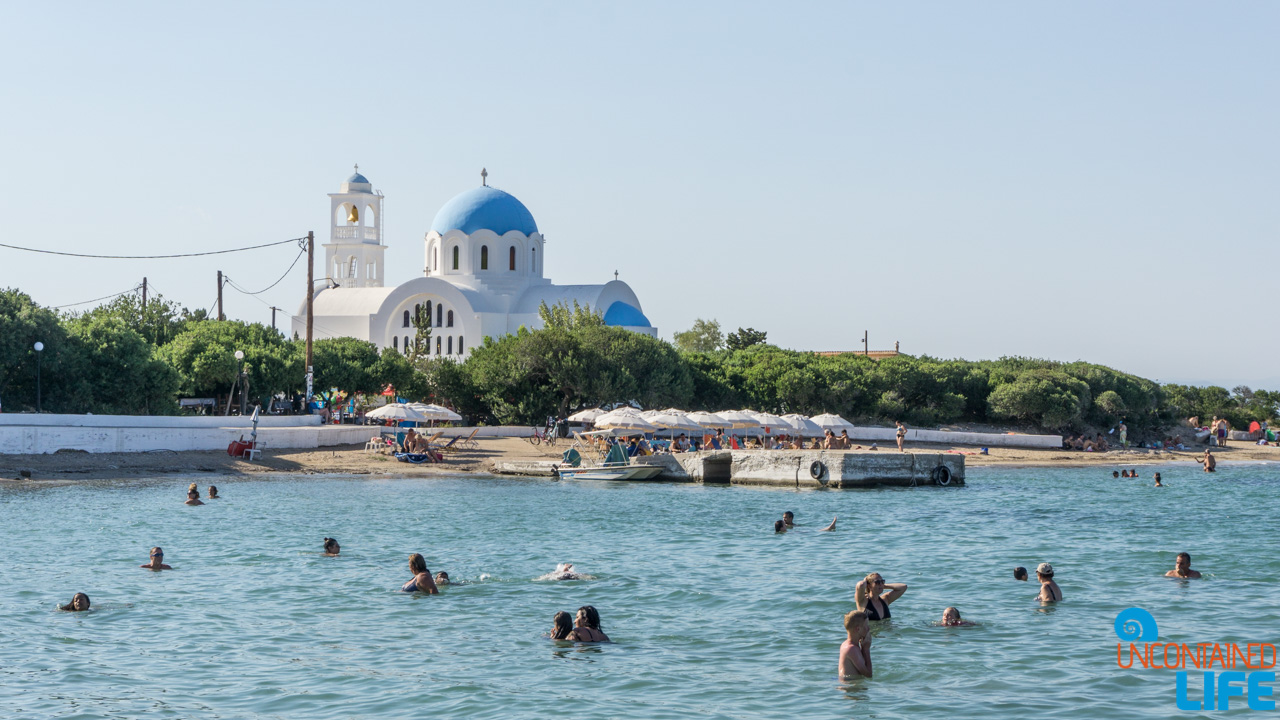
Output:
(1086, 181)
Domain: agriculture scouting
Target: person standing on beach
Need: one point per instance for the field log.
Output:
(902, 433)
(855, 652)
(1124, 435)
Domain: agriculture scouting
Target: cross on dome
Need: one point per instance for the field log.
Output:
(484, 177)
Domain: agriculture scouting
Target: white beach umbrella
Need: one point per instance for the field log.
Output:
(668, 420)
(618, 420)
(434, 412)
(740, 418)
(802, 426)
(834, 423)
(769, 421)
(396, 411)
(709, 420)
(586, 416)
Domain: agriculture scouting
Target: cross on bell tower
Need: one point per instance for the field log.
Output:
(484, 177)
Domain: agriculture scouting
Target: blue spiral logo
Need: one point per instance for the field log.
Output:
(1136, 625)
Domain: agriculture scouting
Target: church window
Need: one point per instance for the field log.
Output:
(450, 344)
(455, 257)
(533, 260)
(417, 313)
(435, 258)
(450, 318)
(511, 257)
(395, 343)
(459, 344)
(371, 271)
(428, 313)
(406, 318)
(437, 344)
(353, 267)
(484, 257)
(439, 315)
(406, 344)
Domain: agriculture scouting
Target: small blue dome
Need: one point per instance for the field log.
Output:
(621, 314)
(484, 208)
(358, 178)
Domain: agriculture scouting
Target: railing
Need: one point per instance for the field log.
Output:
(355, 232)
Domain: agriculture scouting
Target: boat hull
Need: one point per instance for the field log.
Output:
(630, 472)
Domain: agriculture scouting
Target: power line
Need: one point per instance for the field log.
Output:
(277, 282)
(149, 257)
(86, 302)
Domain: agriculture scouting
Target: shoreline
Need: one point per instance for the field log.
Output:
(353, 460)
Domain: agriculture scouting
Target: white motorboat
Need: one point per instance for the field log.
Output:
(616, 466)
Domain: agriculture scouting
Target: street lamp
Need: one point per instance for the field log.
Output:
(39, 353)
(243, 380)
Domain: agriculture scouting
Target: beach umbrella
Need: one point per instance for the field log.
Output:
(396, 411)
(669, 420)
(769, 421)
(586, 416)
(834, 423)
(624, 419)
(710, 420)
(434, 412)
(802, 426)
(740, 418)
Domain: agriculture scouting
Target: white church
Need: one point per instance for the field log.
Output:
(482, 275)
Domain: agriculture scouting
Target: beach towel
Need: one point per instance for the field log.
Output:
(417, 458)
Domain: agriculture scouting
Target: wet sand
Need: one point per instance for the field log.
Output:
(353, 460)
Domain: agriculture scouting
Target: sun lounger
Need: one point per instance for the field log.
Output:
(469, 442)
(450, 445)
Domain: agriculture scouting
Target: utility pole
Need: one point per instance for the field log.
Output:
(311, 274)
(866, 349)
(220, 315)
(144, 294)
(273, 316)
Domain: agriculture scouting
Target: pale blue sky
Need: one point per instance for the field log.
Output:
(1089, 181)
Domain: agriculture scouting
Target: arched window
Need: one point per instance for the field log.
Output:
(459, 344)
(406, 318)
(450, 344)
(406, 344)
(439, 315)
(437, 344)
(353, 267)
(435, 258)
(511, 257)
(395, 343)
(428, 313)
(450, 318)
(417, 312)
(533, 260)
(455, 257)
(484, 257)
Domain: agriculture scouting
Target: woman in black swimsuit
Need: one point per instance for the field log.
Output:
(873, 596)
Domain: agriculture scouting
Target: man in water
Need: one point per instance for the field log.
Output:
(1116, 474)
(1210, 464)
(855, 652)
(1158, 483)
(789, 518)
(157, 560)
(1182, 567)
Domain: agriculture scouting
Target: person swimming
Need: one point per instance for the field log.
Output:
(193, 498)
(587, 626)
(331, 547)
(422, 581)
(1020, 573)
(213, 492)
(1115, 473)
(1158, 483)
(79, 603)
(562, 626)
(157, 560)
(855, 651)
(951, 618)
(563, 571)
(442, 578)
(789, 518)
(1049, 590)
(779, 526)
(1182, 567)
(873, 596)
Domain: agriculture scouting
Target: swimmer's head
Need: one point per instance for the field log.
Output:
(1019, 573)
(442, 578)
(157, 553)
(855, 623)
(1115, 473)
(331, 546)
(588, 617)
(1044, 571)
(213, 491)
(562, 627)
(1183, 561)
(951, 616)
(417, 564)
(789, 517)
(779, 526)
(79, 603)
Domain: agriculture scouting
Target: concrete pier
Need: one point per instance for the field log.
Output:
(793, 468)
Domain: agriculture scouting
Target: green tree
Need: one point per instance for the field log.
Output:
(118, 372)
(704, 336)
(23, 323)
(1051, 399)
(159, 322)
(204, 356)
(562, 316)
(347, 365)
(745, 338)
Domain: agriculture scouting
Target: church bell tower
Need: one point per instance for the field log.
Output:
(354, 254)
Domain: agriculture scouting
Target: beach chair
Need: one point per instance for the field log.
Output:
(450, 446)
(469, 442)
(587, 448)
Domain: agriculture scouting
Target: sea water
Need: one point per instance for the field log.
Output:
(711, 613)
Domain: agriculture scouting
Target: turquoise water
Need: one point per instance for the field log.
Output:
(713, 615)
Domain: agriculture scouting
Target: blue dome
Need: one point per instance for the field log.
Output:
(358, 178)
(484, 208)
(621, 314)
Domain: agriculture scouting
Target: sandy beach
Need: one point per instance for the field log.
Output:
(353, 460)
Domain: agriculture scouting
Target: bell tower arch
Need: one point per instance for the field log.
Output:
(354, 254)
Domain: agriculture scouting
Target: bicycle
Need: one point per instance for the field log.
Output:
(546, 434)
